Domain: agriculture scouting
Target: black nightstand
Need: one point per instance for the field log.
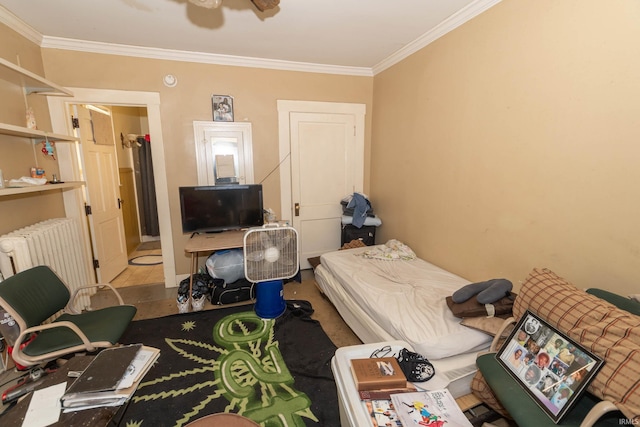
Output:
(366, 233)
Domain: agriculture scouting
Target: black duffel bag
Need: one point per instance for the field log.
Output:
(229, 293)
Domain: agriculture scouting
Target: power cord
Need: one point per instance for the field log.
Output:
(276, 167)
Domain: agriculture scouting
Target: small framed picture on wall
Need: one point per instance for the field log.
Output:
(222, 108)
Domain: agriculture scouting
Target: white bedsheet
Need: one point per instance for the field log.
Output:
(406, 299)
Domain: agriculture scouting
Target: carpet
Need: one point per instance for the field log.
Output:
(146, 260)
(275, 372)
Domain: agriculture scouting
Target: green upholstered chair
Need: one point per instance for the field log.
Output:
(35, 295)
(527, 413)
(586, 412)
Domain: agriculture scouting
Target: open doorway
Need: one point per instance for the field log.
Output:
(137, 182)
(134, 148)
(149, 101)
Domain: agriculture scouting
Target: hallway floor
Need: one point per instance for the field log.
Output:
(135, 275)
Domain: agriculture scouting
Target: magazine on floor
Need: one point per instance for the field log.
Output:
(381, 413)
(435, 408)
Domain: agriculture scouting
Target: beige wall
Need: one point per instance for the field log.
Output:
(510, 143)
(514, 142)
(255, 93)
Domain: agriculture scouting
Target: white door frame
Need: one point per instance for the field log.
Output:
(285, 108)
(68, 163)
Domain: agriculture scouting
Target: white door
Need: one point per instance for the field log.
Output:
(326, 143)
(103, 193)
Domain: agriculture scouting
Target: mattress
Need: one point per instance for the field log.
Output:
(383, 300)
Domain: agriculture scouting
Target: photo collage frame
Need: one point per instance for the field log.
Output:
(551, 368)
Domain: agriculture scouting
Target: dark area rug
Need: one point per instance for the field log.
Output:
(275, 372)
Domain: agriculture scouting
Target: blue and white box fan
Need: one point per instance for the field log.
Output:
(270, 256)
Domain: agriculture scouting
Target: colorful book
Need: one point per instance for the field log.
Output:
(377, 373)
(436, 408)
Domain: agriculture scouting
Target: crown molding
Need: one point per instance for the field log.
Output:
(12, 21)
(451, 23)
(454, 21)
(200, 57)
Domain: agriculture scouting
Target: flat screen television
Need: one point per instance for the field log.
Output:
(215, 208)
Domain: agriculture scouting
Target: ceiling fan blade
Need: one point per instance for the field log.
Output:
(263, 5)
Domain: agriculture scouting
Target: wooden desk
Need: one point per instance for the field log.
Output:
(211, 242)
(215, 241)
(88, 417)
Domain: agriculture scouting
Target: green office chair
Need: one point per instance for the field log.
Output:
(35, 295)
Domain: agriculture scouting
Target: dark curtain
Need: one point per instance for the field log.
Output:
(147, 194)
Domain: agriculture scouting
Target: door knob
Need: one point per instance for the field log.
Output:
(297, 209)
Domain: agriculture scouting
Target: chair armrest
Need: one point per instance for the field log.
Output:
(596, 412)
(19, 357)
(71, 308)
(62, 324)
(496, 339)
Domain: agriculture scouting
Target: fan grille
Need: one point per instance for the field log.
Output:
(270, 254)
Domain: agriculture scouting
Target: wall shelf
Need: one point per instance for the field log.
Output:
(31, 82)
(10, 191)
(7, 129)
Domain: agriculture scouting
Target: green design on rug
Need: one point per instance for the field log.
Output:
(248, 371)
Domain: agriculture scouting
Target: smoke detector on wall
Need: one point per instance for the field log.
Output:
(170, 80)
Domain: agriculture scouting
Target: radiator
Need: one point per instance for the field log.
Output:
(55, 242)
